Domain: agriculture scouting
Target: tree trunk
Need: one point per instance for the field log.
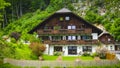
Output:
(20, 7)
(5, 18)
(17, 10)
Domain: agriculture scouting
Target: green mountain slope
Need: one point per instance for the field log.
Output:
(94, 11)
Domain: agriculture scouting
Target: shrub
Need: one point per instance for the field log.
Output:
(7, 65)
(37, 48)
(57, 53)
(94, 55)
(15, 35)
(86, 54)
(101, 52)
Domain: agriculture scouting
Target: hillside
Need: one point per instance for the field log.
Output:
(94, 11)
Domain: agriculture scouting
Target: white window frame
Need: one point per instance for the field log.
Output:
(71, 27)
(71, 37)
(67, 18)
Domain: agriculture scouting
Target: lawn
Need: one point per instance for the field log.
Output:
(67, 58)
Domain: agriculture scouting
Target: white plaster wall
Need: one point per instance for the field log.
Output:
(79, 49)
(51, 50)
(79, 37)
(94, 36)
(47, 49)
(65, 49)
(111, 48)
(94, 48)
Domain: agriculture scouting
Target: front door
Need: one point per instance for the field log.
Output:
(72, 50)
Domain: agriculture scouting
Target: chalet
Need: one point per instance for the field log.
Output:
(66, 32)
(107, 40)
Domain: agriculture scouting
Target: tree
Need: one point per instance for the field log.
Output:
(3, 19)
(115, 29)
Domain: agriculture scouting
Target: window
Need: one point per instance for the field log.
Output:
(85, 37)
(61, 18)
(71, 27)
(109, 39)
(72, 50)
(111, 47)
(56, 38)
(71, 37)
(67, 18)
(57, 27)
(57, 48)
(87, 48)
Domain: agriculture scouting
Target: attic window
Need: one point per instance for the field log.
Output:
(61, 19)
(67, 18)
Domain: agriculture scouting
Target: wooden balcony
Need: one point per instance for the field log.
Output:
(71, 42)
(65, 31)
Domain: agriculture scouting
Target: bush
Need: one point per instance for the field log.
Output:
(37, 48)
(15, 35)
(57, 53)
(86, 54)
(6, 65)
(94, 55)
(101, 52)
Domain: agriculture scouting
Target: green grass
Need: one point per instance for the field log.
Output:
(66, 58)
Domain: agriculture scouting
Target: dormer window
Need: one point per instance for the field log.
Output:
(67, 18)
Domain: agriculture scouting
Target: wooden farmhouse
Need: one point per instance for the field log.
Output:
(66, 32)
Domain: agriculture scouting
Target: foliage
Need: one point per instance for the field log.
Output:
(8, 66)
(37, 48)
(3, 5)
(101, 52)
(86, 54)
(15, 35)
(15, 50)
(57, 53)
(94, 55)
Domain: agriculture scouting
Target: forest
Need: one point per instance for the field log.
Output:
(18, 17)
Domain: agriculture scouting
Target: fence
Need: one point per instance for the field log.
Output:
(38, 64)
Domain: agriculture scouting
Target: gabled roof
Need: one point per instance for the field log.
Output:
(65, 10)
(104, 32)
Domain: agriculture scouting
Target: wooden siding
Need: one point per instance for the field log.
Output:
(65, 31)
(107, 39)
(55, 21)
(71, 42)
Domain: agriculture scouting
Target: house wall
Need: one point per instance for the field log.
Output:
(50, 50)
(111, 47)
(106, 39)
(47, 49)
(94, 36)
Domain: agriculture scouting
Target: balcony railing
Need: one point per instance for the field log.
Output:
(64, 31)
(71, 42)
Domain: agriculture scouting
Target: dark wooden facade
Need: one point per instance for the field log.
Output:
(106, 38)
(66, 23)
